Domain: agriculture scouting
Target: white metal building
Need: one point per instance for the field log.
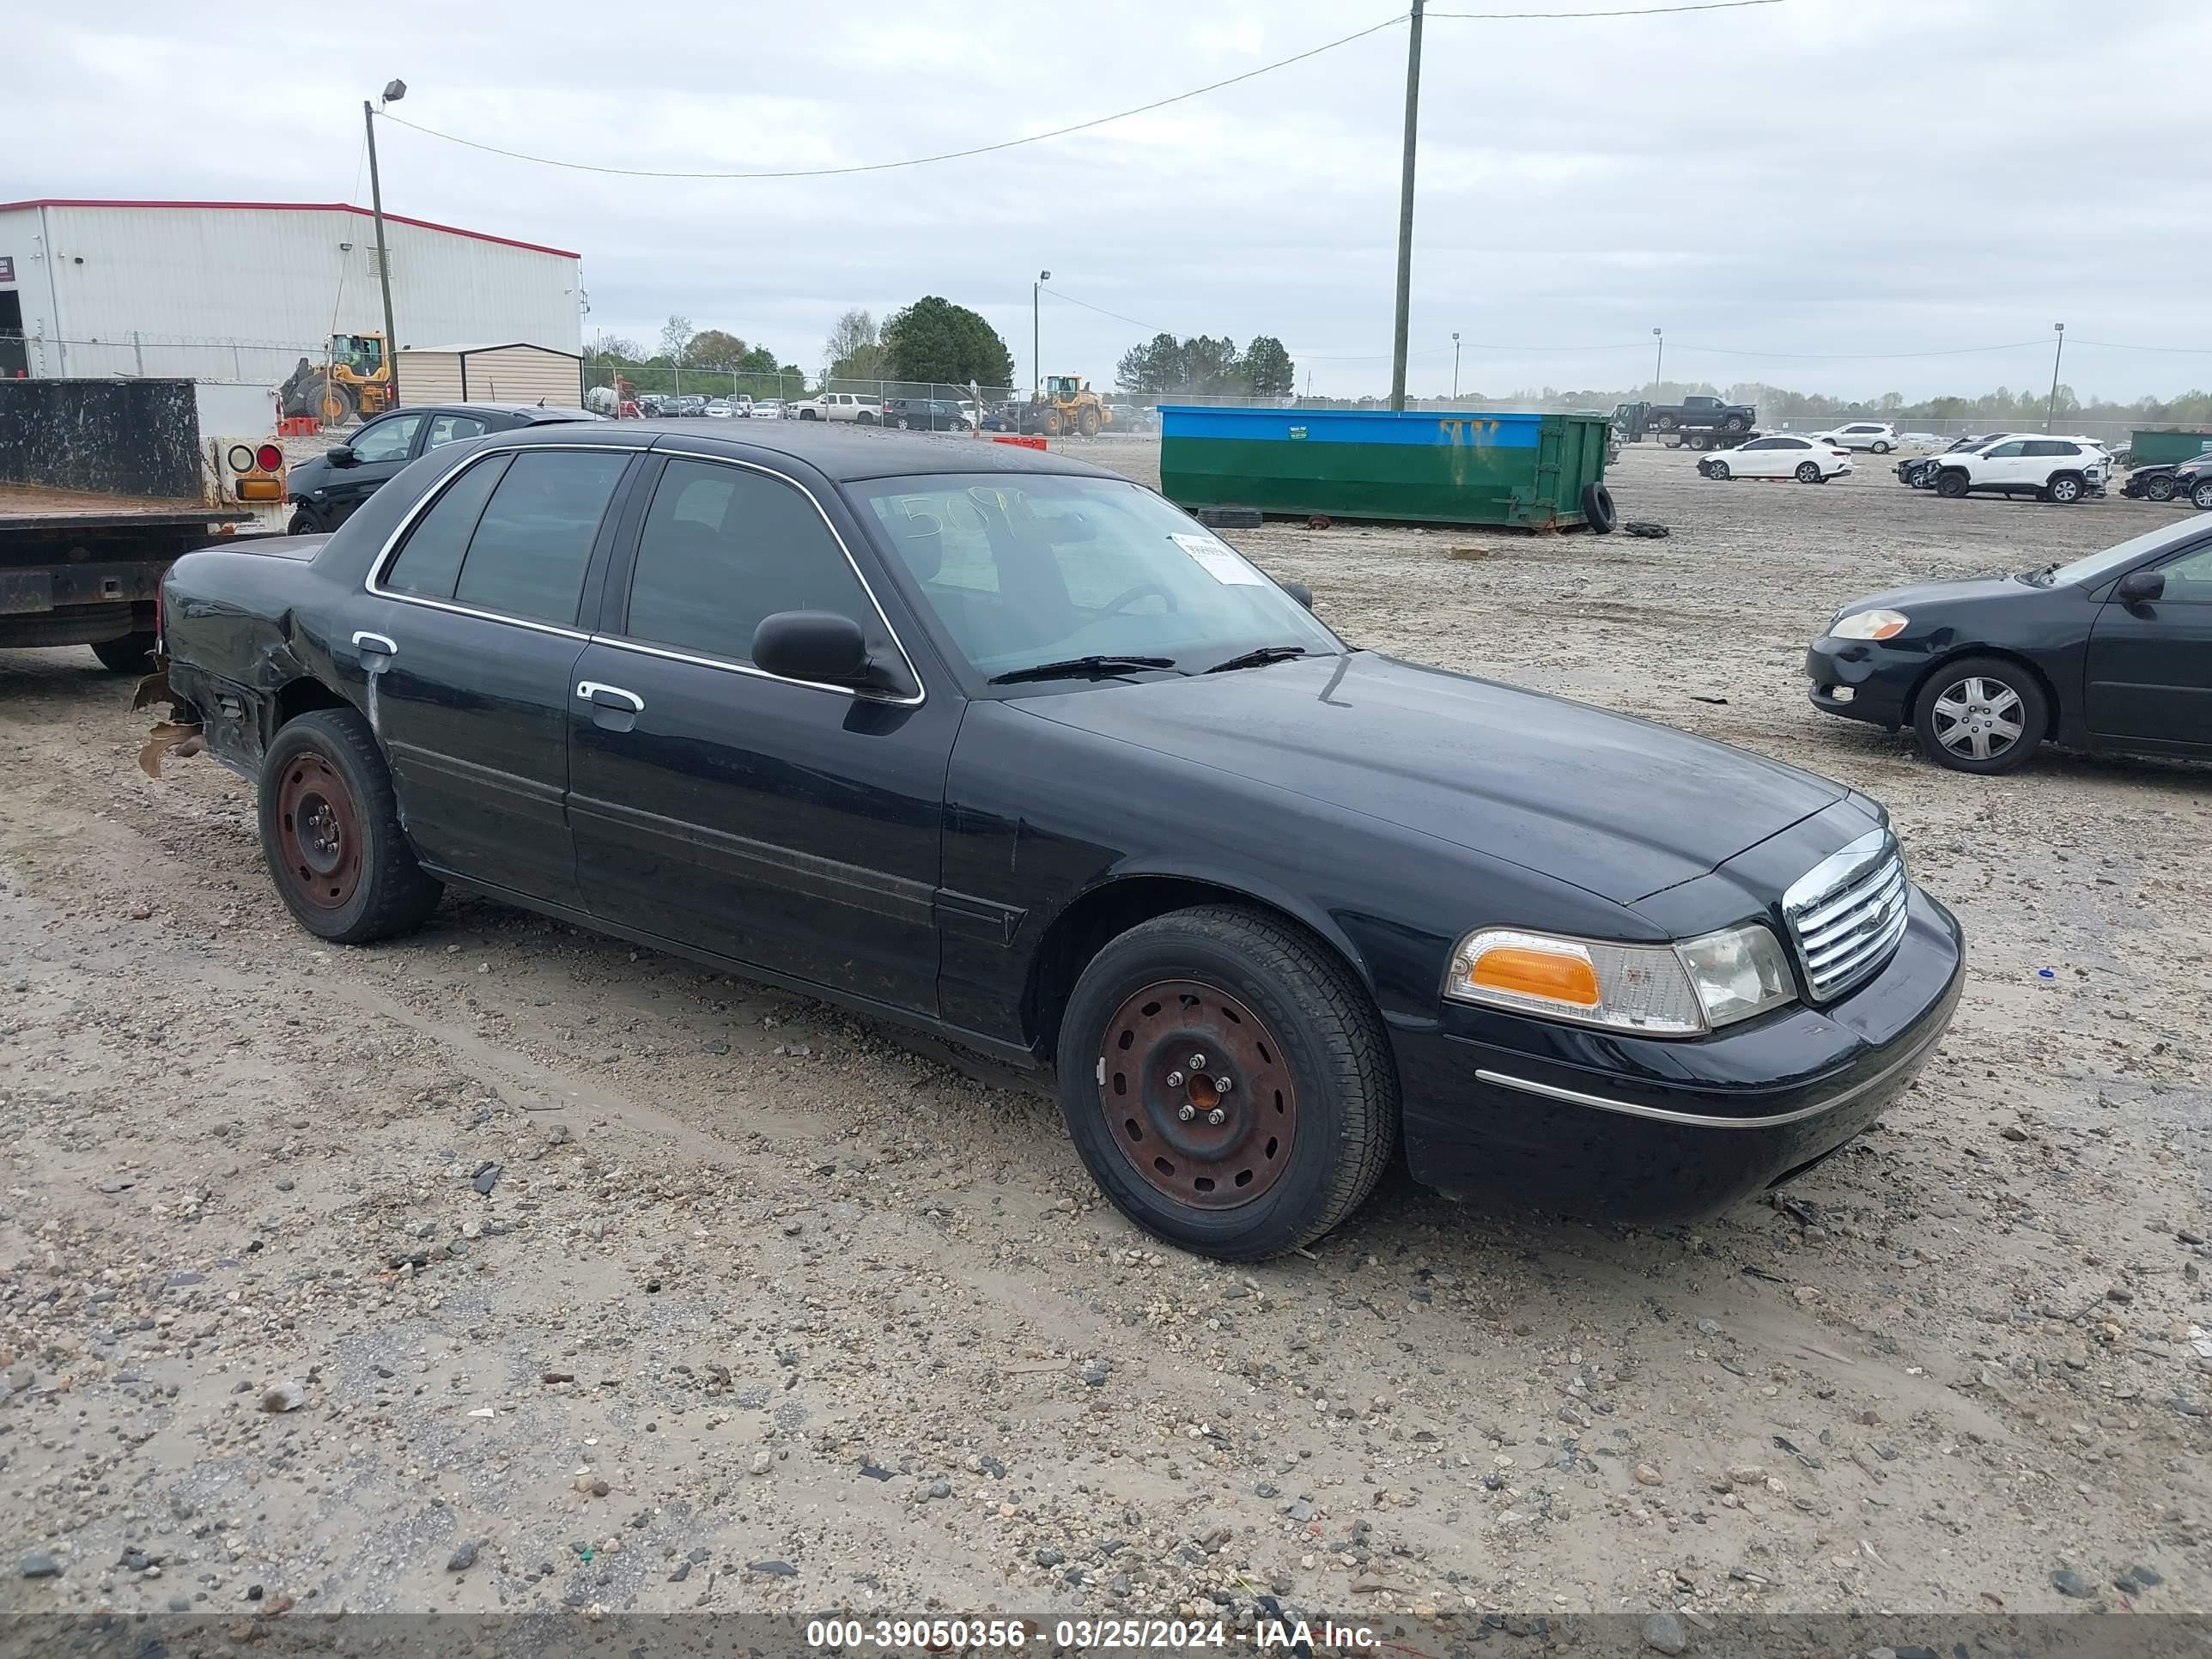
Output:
(242, 290)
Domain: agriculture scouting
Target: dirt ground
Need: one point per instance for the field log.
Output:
(507, 1265)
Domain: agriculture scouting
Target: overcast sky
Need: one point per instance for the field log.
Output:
(1923, 175)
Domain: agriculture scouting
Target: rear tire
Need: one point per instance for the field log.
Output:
(131, 654)
(2065, 489)
(1981, 702)
(1311, 1116)
(1880, 449)
(1087, 422)
(1808, 472)
(2200, 496)
(331, 836)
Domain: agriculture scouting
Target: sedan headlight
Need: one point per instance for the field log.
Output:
(1870, 625)
(1661, 990)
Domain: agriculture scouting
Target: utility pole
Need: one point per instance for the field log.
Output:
(1658, 363)
(1455, 365)
(2051, 408)
(1406, 211)
(393, 92)
(1037, 350)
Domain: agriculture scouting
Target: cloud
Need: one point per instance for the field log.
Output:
(1820, 177)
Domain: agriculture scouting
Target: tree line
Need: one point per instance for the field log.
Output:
(1204, 365)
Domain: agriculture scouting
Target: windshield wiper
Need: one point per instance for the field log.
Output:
(1259, 657)
(1072, 665)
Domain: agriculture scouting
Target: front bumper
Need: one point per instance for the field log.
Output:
(1861, 680)
(1638, 1129)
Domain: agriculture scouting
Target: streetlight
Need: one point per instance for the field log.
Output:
(1659, 362)
(2051, 408)
(1036, 358)
(1455, 365)
(393, 92)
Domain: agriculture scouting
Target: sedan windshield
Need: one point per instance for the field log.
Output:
(2097, 566)
(1024, 571)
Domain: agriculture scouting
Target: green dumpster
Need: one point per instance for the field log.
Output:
(2157, 448)
(1538, 472)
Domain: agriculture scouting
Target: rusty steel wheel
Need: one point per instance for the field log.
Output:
(1197, 1094)
(320, 831)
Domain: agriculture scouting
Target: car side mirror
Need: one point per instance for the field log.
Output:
(1299, 592)
(813, 644)
(342, 455)
(2142, 587)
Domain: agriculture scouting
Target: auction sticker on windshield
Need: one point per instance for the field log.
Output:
(1221, 561)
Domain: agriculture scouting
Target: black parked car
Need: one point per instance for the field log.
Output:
(2192, 483)
(325, 489)
(925, 415)
(2154, 483)
(2111, 652)
(1008, 749)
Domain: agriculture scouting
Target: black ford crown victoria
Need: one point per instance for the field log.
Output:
(1004, 746)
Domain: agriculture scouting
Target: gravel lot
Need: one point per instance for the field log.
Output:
(506, 1266)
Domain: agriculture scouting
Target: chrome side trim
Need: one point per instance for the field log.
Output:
(1710, 1120)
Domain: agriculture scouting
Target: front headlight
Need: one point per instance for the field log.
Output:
(1870, 625)
(1661, 990)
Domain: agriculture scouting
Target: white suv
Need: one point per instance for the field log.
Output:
(2061, 469)
(838, 406)
(1878, 435)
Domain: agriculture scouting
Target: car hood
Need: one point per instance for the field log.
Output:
(1618, 806)
(1969, 589)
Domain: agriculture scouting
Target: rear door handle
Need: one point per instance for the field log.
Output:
(374, 645)
(609, 696)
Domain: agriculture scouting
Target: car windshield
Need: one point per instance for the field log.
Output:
(2099, 565)
(1026, 570)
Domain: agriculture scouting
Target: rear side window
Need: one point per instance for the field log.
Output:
(722, 548)
(429, 562)
(528, 556)
(450, 428)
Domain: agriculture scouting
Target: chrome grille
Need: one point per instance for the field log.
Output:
(1846, 914)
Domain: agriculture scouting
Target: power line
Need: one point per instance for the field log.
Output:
(2114, 345)
(913, 160)
(1101, 310)
(1859, 356)
(1565, 16)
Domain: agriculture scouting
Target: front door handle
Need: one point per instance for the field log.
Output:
(609, 696)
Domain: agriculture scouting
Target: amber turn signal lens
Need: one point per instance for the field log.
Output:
(1549, 974)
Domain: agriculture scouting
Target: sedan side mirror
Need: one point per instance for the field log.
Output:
(343, 455)
(2140, 587)
(813, 644)
(1299, 592)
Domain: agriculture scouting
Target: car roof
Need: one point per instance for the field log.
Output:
(533, 412)
(840, 451)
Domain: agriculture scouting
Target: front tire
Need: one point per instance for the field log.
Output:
(1808, 472)
(2159, 489)
(1951, 485)
(331, 832)
(1717, 470)
(1298, 1138)
(131, 654)
(1982, 714)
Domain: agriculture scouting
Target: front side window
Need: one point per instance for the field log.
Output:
(528, 554)
(386, 441)
(1023, 569)
(2007, 451)
(2189, 579)
(723, 548)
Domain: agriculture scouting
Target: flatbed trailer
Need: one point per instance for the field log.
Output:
(103, 483)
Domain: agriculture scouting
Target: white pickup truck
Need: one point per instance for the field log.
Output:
(836, 407)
